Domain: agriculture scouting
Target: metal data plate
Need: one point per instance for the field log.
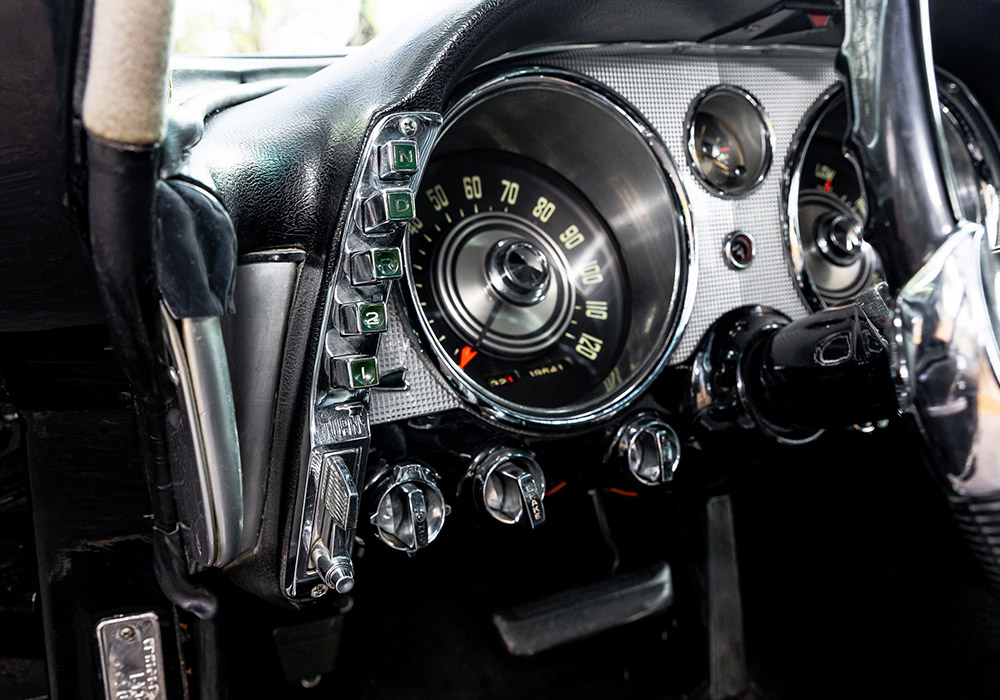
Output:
(131, 657)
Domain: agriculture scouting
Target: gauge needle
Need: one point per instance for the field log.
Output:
(469, 351)
(489, 322)
(828, 185)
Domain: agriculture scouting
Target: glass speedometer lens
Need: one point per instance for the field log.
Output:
(519, 281)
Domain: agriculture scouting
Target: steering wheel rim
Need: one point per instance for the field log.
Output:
(944, 329)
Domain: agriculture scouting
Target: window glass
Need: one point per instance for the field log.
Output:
(286, 27)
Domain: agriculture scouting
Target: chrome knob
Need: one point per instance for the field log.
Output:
(337, 572)
(409, 507)
(510, 486)
(648, 450)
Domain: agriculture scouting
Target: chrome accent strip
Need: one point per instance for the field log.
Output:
(131, 653)
(199, 357)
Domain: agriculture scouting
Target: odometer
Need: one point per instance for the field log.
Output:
(519, 281)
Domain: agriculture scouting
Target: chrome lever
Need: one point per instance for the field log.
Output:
(417, 512)
(527, 491)
(509, 485)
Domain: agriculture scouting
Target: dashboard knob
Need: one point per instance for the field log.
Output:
(336, 571)
(647, 450)
(510, 486)
(409, 507)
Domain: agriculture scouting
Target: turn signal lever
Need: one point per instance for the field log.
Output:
(827, 370)
(793, 379)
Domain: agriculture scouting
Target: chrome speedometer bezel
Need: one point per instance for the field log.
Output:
(492, 408)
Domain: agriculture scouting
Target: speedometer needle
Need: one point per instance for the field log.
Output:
(470, 351)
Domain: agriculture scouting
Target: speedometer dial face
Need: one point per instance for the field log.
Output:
(518, 281)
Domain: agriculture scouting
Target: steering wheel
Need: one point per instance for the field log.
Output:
(944, 270)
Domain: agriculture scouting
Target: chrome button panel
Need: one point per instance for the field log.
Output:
(369, 261)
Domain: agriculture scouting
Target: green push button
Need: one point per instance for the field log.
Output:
(400, 205)
(404, 156)
(387, 263)
(371, 318)
(362, 371)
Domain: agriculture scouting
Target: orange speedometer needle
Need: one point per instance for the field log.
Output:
(828, 185)
(466, 356)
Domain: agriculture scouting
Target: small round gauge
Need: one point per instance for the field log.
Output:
(827, 206)
(729, 140)
(519, 279)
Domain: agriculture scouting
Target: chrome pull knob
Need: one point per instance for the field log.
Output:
(409, 507)
(333, 519)
(510, 486)
(647, 450)
(337, 572)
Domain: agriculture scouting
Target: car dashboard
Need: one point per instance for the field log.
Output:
(515, 319)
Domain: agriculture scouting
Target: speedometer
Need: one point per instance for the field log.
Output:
(520, 279)
(549, 267)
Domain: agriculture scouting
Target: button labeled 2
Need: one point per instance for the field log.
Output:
(363, 317)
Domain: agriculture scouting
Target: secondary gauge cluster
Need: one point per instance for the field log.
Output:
(826, 205)
(550, 266)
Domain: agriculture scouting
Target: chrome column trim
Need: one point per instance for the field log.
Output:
(198, 355)
(945, 356)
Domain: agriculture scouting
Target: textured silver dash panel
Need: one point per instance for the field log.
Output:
(661, 82)
(427, 392)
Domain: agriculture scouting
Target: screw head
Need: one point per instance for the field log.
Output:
(319, 590)
(408, 126)
(127, 633)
